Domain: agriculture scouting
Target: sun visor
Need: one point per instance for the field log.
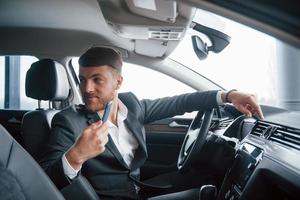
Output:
(152, 48)
(154, 9)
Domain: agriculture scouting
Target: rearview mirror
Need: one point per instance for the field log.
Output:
(218, 40)
(200, 48)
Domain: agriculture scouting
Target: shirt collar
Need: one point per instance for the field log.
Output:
(122, 109)
(121, 115)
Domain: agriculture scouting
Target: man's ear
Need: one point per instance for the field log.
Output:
(119, 82)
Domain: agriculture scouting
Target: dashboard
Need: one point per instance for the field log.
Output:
(267, 159)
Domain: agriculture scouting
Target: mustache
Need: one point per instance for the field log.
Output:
(87, 95)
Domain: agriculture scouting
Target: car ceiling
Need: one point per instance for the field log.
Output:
(53, 27)
(59, 28)
(69, 27)
(280, 18)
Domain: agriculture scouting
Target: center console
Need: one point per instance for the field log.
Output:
(245, 162)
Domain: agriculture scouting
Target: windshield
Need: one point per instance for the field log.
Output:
(246, 64)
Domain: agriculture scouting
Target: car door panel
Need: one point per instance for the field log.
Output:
(12, 120)
(164, 139)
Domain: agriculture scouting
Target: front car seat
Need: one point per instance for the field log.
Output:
(46, 80)
(20, 176)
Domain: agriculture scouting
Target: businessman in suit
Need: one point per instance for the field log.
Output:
(110, 154)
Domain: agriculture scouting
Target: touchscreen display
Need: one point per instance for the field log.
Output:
(252, 150)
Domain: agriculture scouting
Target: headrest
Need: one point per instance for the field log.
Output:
(47, 79)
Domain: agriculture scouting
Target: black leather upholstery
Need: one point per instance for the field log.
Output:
(36, 129)
(24, 177)
(45, 80)
(9, 186)
(80, 189)
(192, 194)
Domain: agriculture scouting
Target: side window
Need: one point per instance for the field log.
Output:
(2, 75)
(75, 65)
(146, 83)
(12, 82)
(149, 84)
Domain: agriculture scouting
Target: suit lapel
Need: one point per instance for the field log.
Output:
(114, 150)
(136, 128)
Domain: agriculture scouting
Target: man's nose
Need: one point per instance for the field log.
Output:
(89, 86)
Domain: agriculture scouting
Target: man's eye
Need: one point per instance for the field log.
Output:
(98, 80)
(81, 80)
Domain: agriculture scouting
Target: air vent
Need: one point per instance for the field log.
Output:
(166, 34)
(287, 136)
(277, 133)
(224, 123)
(220, 123)
(260, 128)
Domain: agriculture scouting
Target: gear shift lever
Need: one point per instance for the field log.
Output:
(208, 192)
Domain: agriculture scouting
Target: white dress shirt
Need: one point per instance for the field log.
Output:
(219, 98)
(122, 137)
(125, 142)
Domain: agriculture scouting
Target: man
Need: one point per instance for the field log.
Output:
(110, 154)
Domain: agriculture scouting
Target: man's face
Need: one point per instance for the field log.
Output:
(98, 85)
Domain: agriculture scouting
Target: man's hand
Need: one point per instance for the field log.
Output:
(245, 103)
(88, 145)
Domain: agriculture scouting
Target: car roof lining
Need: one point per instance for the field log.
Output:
(54, 30)
(53, 33)
(258, 14)
(64, 31)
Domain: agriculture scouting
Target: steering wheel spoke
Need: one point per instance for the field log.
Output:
(194, 140)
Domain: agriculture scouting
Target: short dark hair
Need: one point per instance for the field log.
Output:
(99, 56)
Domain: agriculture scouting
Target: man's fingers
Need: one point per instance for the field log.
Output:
(259, 112)
(254, 108)
(103, 140)
(249, 110)
(95, 131)
(102, 135)
(103, 129)
(101, 143)
(96, 125)
(244, 110)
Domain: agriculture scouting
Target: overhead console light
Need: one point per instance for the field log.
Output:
(155, 9)
(166, 34)
(146, 32)
(146, 4)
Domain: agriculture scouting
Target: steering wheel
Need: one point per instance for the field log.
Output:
(194, 140)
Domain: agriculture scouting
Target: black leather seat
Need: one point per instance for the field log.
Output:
(20, 176)
(45, 80)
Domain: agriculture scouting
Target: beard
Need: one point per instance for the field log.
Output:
(95, 103)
